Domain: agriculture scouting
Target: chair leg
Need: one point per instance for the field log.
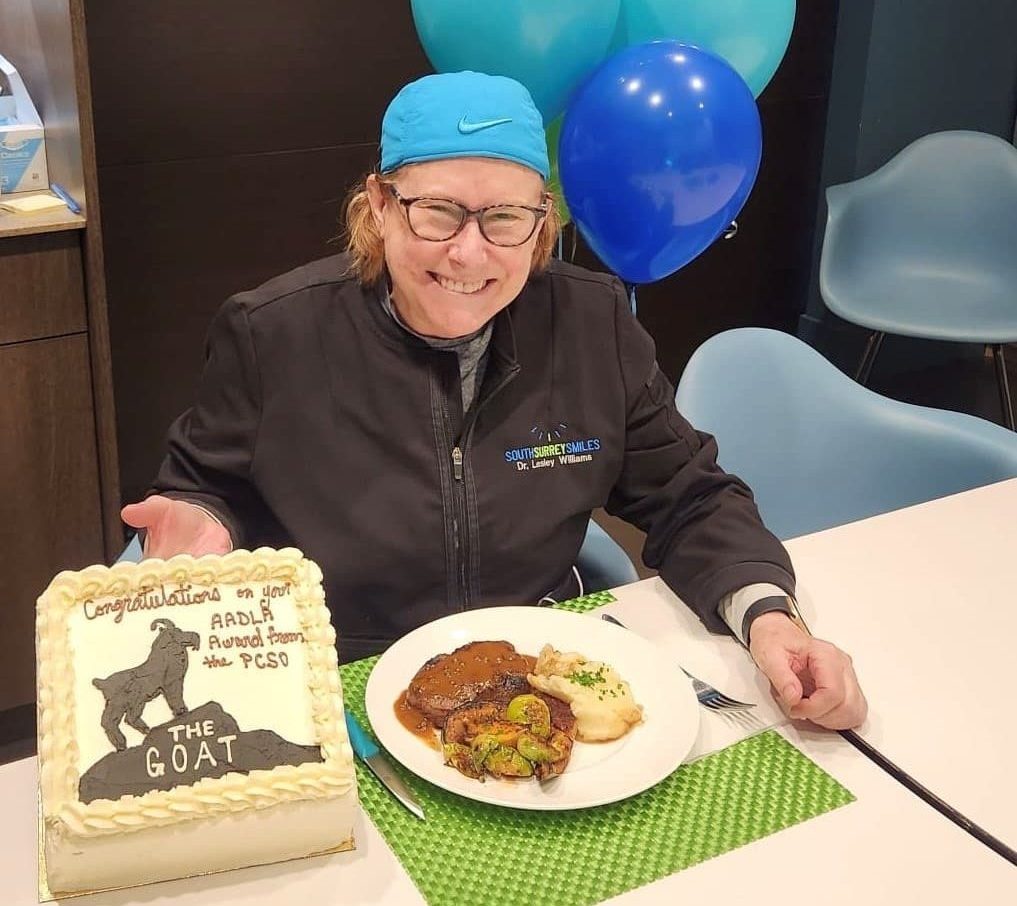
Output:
(1004, 385)
(872, 348)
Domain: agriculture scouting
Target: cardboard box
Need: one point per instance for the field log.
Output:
(22, 137)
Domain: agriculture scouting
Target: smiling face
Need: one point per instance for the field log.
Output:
(453, 288)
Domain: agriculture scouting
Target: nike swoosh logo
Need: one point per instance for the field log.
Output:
(467, 128)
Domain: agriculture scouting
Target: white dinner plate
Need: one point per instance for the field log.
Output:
(598, 773)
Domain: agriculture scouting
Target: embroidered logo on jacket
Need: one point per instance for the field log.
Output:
(552, 449)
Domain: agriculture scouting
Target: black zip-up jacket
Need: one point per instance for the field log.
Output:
(321, 423)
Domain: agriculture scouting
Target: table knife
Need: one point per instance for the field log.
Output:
(368, 752)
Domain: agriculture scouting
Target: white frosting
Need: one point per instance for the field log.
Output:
(265, 654)
(289, 830)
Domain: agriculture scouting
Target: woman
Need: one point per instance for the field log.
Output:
(433, 415)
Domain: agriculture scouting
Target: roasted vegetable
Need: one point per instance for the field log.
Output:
(462, 759)
(482, 746)
(530, 710)
(507, 762)
(463, 724)
(504, 731)
(533, 748)
(522, 736)
(561, 743)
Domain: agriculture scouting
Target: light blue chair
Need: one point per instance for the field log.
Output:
(926, 247)
(131, 553)
(602, 562)
(820, 450)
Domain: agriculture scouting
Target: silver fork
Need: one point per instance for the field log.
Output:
(708, 696)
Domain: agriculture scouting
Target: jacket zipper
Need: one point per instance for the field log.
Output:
(460, 509)
(458, 515)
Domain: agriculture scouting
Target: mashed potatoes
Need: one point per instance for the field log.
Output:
(600, 699)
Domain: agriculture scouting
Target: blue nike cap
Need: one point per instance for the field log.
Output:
(463, 114)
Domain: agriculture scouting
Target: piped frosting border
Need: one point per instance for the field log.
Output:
(234, 792)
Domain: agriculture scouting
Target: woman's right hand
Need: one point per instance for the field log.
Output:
(175, 527)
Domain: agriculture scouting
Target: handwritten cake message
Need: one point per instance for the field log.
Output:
(186, 755)
(204, 682)
(242, 636)
(245, 636)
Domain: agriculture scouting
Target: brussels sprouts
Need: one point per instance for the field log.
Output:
(461, 758)
(532, 711)
(507, 762)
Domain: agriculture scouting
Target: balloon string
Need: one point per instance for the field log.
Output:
(631, 287)
(565, 231)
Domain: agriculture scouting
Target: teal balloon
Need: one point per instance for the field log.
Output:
(548, 46)
(752, 35)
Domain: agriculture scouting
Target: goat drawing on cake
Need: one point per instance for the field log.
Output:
(162, 673)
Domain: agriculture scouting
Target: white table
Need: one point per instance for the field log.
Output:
(925, 600)
(886, 848)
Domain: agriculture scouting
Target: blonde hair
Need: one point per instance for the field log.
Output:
(367, 248)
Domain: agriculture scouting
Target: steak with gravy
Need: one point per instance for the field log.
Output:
(476, 672)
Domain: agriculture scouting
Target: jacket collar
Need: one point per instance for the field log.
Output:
(391, 331)
(503, 339)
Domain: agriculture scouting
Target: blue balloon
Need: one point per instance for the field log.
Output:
(752, 35)
(659, 150)
(549, 47)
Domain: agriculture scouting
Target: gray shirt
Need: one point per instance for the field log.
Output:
(471, 350)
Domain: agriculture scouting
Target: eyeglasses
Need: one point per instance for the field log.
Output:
(439, 219)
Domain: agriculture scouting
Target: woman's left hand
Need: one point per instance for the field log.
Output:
(812, 679)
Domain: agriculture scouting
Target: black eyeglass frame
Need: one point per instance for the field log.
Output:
(467, 215)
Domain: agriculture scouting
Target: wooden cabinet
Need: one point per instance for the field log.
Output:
(49, 483)
(59, 497)
(42, 287)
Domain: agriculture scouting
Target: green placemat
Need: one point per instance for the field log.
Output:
(587, 602)
(469, 852)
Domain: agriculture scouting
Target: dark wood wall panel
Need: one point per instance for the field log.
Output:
(42, 292)
(180, 238)
(49, 484)
(196, 79)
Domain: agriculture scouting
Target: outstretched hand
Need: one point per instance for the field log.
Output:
(812, 679)
(175, 527)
